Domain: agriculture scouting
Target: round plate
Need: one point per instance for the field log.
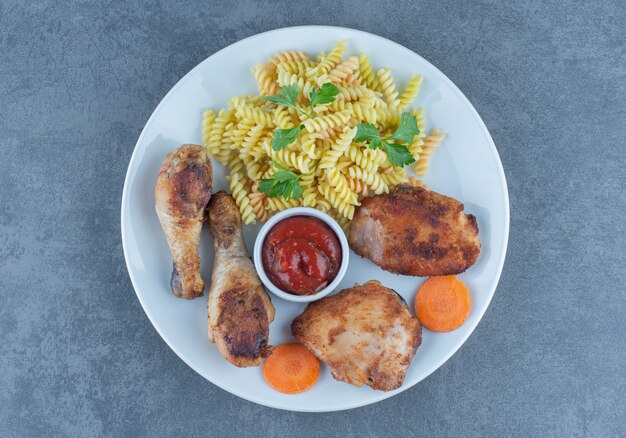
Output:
(466, 166)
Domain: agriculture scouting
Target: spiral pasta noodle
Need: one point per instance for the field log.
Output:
(282, 118)
(388, 116)
(239, 134)
(280, 204)
(333, 170)
(258, 202)
(308, 146)
(415, 148)
(387, 86)
(339, 183)
(287, 158)
(393, 177)
(256, 115)
(372, 179)
(236, 101)
(338, 148)
(266, 80)
(353, 93)
(327, 121)
(430, 144)
(297, 67)
(309, 189)
(239, 187)
(343, 207)
(341, 72)
(419, 117)
(327, 62)
(208, 117)
(288, 56)
(368, 76)
(410, 92)
(368, 159)
(214, 140)
(357, 186)
(359, 111)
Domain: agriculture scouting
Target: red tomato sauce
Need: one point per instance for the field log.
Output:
(301, 255)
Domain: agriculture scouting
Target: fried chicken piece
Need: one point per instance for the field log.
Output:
(366, 334)
(182, 191)
(414, 231)
(239, 309)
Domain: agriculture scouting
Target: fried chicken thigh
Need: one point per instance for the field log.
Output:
(414, 231)
(239, 309)
(182, 191)
(366, 334)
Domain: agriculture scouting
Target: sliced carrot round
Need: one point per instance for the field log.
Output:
(442, 303)
(291, 369)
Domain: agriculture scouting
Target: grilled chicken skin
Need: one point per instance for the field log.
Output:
(414, 231)
(366, 334)
(239, 309)
(182, 191)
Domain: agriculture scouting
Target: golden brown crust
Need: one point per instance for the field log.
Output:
(414, 231)
(224, 218)
(244, 326)
(185, 182)
(182, 191)
(366, 334)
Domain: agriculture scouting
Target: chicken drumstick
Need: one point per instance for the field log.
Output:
(239, 309)
(181, 194)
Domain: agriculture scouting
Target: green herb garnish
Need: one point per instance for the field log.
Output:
(287, 97)
(326, 94)
(397, 154)
(284, 137)
(283, 183)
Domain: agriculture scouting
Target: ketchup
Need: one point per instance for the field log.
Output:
(301, 255)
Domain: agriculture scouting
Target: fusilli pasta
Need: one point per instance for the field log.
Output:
(410, 92)
(334, 171)
(430, 144)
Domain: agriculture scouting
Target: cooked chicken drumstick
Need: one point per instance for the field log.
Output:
(181, 194)
(366, 334)
(239, 309)
(414, 231)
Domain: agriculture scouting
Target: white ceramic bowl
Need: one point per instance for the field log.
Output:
(300, 211)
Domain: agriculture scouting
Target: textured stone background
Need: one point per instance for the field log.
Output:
(79, 357)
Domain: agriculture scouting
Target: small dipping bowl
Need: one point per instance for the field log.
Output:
(300, 211)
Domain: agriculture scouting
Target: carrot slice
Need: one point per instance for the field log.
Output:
(291, 369)
(442, 303)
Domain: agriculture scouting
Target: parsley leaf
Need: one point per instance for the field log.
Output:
(293, 190)
(284, 137)
(286, 96)
(368, 132)
(297, 191)
(398, 154)
(271, 187)
(407, 129)
(284, 175)
(283, 183)
(326, 94)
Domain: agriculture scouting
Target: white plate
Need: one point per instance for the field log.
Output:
(466, 167)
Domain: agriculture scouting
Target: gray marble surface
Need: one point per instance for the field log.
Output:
(78, 356)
